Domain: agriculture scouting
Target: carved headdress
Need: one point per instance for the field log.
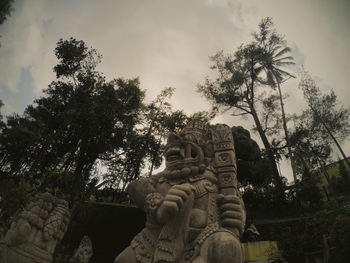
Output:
(196, 127)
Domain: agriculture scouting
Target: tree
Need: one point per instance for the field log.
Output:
(309, 191)
(250, 160)
(309, 149)
(341, 183)
(340, 234)
(160, 120)
(157, 120)
(343, 171)
(276, 56)
(255, 176)
(1, 117)
(332, 120)
(237, 88)
(79, 119)
(5, 10)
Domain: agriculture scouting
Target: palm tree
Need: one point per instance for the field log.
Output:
(275, 56)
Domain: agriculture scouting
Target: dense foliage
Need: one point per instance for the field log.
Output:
(84, 133)
(5, 10)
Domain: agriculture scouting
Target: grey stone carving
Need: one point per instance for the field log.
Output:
(194, 210)
(36, 230)
(84, 252)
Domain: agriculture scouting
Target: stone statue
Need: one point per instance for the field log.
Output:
(194, 210)
(36, 230)
(84, 252)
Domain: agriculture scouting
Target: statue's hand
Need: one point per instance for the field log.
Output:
(173, 201)
(232, 212)
(19, 234)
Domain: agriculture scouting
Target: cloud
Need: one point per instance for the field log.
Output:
(168, 42)
(23, 95)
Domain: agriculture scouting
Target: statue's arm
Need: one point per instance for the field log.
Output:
(159, 209)
(233, 215)
(145, 195)
(139, 189)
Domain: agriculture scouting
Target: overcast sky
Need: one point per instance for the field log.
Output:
(166, 43)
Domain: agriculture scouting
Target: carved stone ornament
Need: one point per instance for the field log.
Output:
(194, 211)
(84, 252)
(36, 230)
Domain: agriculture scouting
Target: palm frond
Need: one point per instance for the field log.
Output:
(282, 64)
(274, 49)
(285, 58)
(285, 73)
(270, 78)
(282, 52)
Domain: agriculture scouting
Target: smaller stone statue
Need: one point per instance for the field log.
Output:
(84, 251)
(36, 230)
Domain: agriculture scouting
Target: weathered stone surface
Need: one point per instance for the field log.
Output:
(194, 211)
(84, 251)
(36, 230)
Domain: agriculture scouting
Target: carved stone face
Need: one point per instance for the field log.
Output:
(184, 155)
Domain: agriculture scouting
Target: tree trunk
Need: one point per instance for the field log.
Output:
(324, 169)
(152, 166)
(286, 133)
(336, 143)
(332, 136)
(76, 190)
(154, 157)
(301, 158)
(270, 154)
